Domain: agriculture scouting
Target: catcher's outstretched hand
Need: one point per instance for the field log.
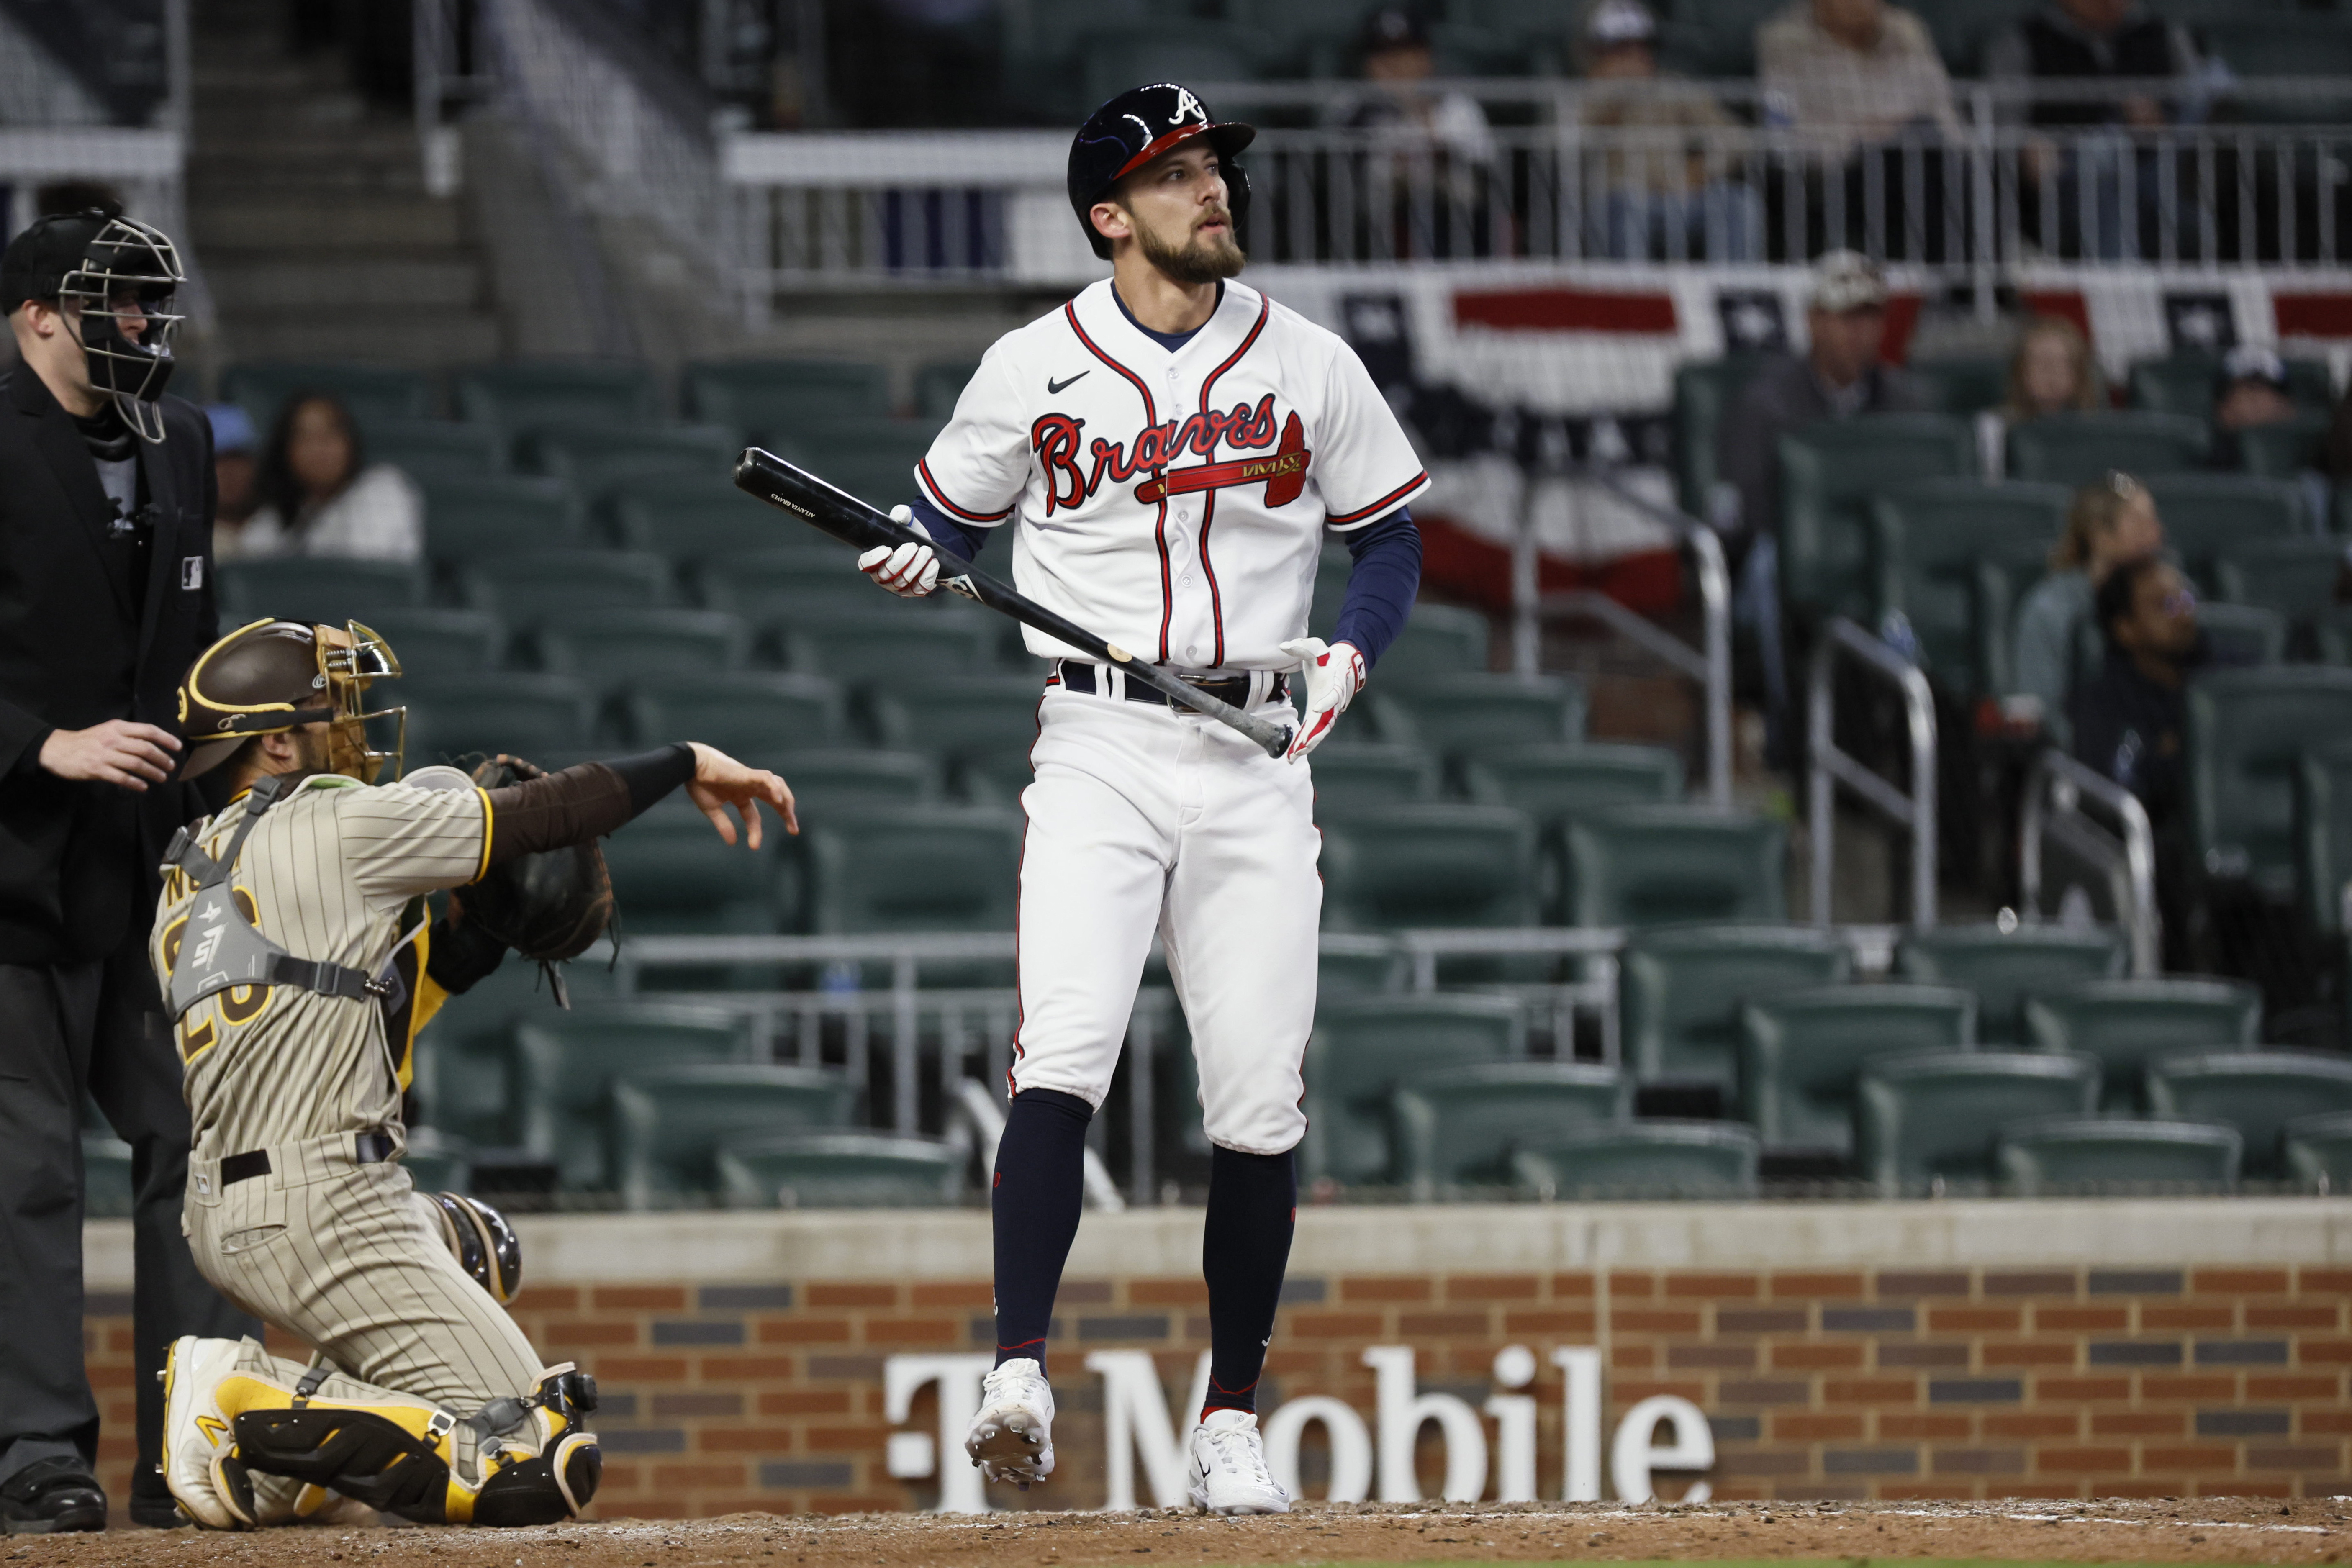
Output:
(720, 782)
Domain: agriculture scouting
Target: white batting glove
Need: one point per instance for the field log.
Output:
(910, 570)
(1334, 673)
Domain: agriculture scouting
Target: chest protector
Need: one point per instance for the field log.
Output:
(219, 948)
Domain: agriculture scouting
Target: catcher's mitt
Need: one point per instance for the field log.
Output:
(549, 906)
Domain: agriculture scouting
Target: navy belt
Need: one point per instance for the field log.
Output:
(1234, 689)
(368, 1148)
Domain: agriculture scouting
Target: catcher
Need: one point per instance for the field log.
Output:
(295, 952)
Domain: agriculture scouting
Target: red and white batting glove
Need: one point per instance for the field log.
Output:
(1334, 673)
(910, 570)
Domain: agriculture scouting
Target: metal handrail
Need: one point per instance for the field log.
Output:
(2054, 788)
(1830, 766)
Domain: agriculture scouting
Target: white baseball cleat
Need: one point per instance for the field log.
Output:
(1012, 1437)
(1228, 1468)
(199, 1463)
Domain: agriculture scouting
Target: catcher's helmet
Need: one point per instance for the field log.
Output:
(1136, 127)
(100, 263)
(268, 677)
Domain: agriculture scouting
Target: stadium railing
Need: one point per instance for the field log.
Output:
(2122, 858)
(1831, 766)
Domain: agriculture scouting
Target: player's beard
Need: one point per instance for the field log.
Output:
(1204, 257)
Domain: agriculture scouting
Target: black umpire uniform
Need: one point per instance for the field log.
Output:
(100, 615)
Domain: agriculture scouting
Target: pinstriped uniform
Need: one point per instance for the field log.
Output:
(343, 1253)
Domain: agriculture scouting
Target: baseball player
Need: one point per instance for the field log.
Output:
(1171, 449)
(292, 949)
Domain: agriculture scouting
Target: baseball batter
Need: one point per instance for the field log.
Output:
(1171, 449)
(293, 952)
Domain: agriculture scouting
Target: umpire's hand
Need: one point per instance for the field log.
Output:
(720, 782)
(118, 752)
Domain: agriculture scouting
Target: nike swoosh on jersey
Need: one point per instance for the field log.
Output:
(1055, 388)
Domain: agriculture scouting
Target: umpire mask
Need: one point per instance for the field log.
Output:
(125, 288)
(271, 677)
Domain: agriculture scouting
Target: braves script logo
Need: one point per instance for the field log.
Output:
(1054, 437)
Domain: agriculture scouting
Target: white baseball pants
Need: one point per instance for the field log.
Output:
(1142, 819)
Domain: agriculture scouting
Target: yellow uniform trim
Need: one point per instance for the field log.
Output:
(490, 821)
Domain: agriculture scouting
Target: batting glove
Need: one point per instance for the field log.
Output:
(910, 570)
(1334, 673)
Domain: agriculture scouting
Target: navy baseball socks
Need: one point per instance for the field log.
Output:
(1036, 1196)
(1245, 1248)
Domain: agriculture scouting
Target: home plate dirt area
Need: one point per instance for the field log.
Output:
(2220, 1530)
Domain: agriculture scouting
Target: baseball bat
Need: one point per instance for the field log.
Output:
(832, 510)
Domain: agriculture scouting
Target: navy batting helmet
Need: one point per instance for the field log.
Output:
(1138, 126)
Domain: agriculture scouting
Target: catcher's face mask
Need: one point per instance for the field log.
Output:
(272, 677)
(122, 296)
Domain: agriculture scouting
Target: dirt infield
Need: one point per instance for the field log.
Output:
(1851, 1534)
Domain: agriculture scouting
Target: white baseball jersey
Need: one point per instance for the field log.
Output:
(1172, 503)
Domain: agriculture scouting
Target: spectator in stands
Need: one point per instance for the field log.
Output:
(1666, 195)
(1853, 73)
(234, 473)
(2052, 372)
(320, 495)
(2112, 522)
(2251, 390)
(1405, 116)
(1840, 375)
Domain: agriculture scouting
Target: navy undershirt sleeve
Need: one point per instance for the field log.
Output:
(1381, 584)
(961, 538)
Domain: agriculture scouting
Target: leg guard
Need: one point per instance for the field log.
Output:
(363, 1454)
(544, 1488)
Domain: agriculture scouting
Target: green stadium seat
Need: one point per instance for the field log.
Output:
(522, 394)
(748, 714)
(372, 393)
(107, 1191)
(480, 517)
(795, 575)
(2316, 1151)
(527, 715)
(2285, 450)
(1437, 640)
(630, 647)
(2293, 578)
(568, 1063)
(2206, 514)
(1680, 989)
(761, 397)
(2247, 728)
(699, 521)
(2323, 837)
(1554, 785)
(2243, 636)
(1461, 1124)
(2052, 1156)
(2003, 968)
(1933, 1116)
(891, 646)
(1704, 389)
(938, 384)
(464, 1089)
(873, 459)
(316, 589)
(1964, 385)
(1952, 556)
(1451, 714)
(672, 873)
(1661, 864)
(2127, 1023)
(438, 1161)
(841, 1170)
(1647, 1158)
(1332, 569)
(1111, 61)
(1371, 777)
(2274, 45)
(2078, 448)
(2258, 1092)
(431, 449)
(1829, 470)
(437, 645)
(1434, 865)
(1363, 1046)
(670, 1123)
(983, 725)
(2333, 633)
(594, 458)
(826, 784)
(915, 868)
(551, 587)
(2184, 382)
(1802, 1053)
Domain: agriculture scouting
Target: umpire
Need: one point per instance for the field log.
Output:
(105, 595)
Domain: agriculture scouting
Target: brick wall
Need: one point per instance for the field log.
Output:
(1960, 1382)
